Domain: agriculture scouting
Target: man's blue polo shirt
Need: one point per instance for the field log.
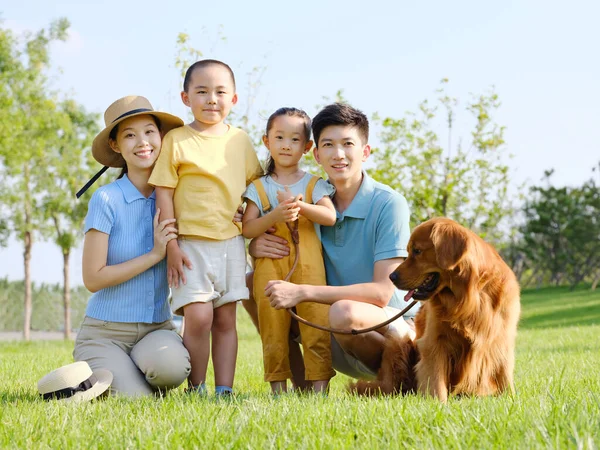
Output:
(121, 211)
(374, 227)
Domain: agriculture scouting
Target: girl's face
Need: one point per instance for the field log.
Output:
(138, 140)
(286, 140)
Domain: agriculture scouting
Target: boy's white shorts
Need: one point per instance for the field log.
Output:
(218, 274)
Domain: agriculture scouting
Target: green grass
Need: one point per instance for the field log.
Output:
(557, 404)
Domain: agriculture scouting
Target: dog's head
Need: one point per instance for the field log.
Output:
(436, 251)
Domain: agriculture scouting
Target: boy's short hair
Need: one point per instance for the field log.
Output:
(340, 114)
(201, 65)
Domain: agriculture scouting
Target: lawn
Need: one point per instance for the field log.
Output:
(557, 404)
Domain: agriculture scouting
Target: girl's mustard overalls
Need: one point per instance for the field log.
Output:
(274, 324)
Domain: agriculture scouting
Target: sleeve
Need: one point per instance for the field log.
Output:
(165, 173)
(253, 167)
(252, 195)
(101, 214)
(322, 189)
(392, 229)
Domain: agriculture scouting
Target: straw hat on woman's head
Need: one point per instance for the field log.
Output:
(124, 108)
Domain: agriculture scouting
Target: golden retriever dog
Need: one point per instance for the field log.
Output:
(467, 325)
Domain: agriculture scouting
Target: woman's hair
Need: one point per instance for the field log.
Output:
(113, 136)
(286, 111)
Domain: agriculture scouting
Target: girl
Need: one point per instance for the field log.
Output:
(272, 201)
(128, 328)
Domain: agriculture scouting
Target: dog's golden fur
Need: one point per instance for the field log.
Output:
(467, 325)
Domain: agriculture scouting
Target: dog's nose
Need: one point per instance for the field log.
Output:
(393, 276)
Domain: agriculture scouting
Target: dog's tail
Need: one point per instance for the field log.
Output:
(397, 372)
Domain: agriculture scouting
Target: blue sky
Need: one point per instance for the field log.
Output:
(387, 56)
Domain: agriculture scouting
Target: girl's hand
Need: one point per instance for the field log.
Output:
(286, 211)
(163, 233)
(284, 195)
(239, 214)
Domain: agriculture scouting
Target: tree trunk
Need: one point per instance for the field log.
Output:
(27, 309)
(67, 294)
(27, 241)
(595, 282)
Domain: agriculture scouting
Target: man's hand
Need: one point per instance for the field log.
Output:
(176, 259)
(282, 294)
(269, 246)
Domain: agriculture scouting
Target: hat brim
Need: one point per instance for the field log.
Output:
(105, 378)
(105, 155)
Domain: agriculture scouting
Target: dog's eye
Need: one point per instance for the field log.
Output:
(416, 251)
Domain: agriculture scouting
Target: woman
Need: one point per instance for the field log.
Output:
(128, 328)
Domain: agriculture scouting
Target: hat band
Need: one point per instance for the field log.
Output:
(133, 111)
(71, 391)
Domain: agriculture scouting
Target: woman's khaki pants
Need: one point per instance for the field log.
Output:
(143, 358)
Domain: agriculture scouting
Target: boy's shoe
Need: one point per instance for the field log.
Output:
(199, 389)
(224, 392)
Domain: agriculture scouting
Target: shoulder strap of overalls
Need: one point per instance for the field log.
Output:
(310, 188)
(262, 195)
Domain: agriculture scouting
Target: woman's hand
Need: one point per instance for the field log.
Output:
(163, 233)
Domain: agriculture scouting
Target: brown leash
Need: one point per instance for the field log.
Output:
(296, 239)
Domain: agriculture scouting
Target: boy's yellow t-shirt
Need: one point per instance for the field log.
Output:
(209, 175)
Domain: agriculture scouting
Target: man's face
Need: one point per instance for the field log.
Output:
(341, 151)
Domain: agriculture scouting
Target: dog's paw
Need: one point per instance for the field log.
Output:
(365, 388)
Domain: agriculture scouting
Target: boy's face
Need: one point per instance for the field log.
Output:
(341, 151)
(210, 95)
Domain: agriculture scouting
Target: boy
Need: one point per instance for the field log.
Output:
(367, 242)
(200, 176)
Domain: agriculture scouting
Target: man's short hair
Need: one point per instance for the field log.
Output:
(340, 114)
(201, 65)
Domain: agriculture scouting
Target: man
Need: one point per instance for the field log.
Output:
(367, 242)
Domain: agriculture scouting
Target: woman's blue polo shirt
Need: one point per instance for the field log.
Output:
(374, 227)
(121, 211)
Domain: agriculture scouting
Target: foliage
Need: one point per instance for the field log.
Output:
(556, 405)
(469, 185)
(30, 124)
(561, 233)
(69, 166)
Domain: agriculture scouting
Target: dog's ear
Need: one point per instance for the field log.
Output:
(450, 241)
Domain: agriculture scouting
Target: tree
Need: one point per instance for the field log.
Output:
(469, 185)
(70, 165)
(27, 128)
(561, 233)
